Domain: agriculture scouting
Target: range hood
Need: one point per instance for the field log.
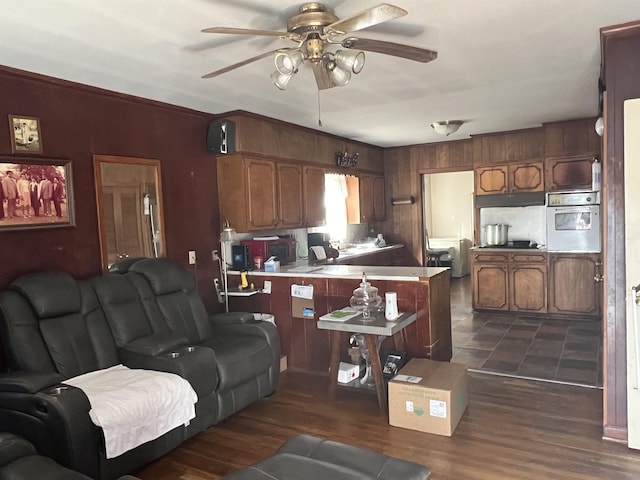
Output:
(524, 199)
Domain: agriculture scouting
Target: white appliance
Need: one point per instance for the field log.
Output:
(632, 253)
(573, 221)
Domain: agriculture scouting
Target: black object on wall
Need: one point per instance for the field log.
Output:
(240, 257)
(221, 137)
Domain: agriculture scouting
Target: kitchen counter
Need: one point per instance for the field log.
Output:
(507, 249)
(360, 251)
(424, 291)
(304, 270)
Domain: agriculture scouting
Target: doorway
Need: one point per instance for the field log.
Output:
(448, 220)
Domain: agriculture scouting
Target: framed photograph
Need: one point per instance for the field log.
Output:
(25, 134)
(35, 194)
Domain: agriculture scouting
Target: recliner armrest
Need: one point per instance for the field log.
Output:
(232, 317)
(197, 365)
(28, 382)
(156, 344)
(13, 447)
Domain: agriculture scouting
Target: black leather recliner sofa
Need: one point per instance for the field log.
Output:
(148, 316)
(20, 461)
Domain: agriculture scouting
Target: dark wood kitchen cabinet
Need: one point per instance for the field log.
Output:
(290, 204)
(372, 207)
(510, 281)
(528, 282)
(365, 200)
(569, 173)
(512, 178)
(262, 209)
(575, 284)
(490, 281)
(313, 190)
(258, 193)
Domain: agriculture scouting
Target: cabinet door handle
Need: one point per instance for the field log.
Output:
(598, 278)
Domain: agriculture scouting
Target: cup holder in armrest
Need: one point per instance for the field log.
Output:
(57, 390)
(173, 354)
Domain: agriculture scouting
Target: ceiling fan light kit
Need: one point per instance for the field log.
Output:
(317, 30)
(350, 60)
(281, 80)
(288, 63)
(446, 127)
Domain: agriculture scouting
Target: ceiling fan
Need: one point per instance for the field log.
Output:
(319, 34)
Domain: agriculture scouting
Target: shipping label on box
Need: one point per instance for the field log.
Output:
(428, 396)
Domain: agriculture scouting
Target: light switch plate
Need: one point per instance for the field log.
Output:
(267, 286)
(192, 257)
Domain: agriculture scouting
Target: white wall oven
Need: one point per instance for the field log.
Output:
(573, 221)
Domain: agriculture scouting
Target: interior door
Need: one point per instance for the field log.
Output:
(632, 241)
(123, 220)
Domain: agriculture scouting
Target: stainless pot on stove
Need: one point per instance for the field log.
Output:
(496, 234)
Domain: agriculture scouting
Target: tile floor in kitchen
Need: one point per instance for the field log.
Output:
(566, 351)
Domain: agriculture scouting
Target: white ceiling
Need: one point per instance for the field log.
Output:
(502, 64)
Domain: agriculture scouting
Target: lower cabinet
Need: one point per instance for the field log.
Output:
(528, 287)
(490, 286)
(510, 281)
(560, 284)
(575, 284)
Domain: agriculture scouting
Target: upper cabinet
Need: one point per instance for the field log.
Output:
(289, 200)
(568, 173)
(258, 194)
(366, 200)
(517, 177)
(313, 189)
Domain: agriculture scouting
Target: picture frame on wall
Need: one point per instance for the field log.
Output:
(35, 193)
(25, 134)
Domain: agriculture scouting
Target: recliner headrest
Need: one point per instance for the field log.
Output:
(13, 447)
(51, 294)
(123, 266)
(164, 275)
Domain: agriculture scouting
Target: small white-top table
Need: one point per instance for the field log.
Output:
(373, 328)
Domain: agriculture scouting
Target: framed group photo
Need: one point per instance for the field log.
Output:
(35, 194)
(25, 134)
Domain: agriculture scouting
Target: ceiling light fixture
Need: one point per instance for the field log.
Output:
(446, 127)
(335, 67)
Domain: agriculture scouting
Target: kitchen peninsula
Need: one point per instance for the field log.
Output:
(421, 290)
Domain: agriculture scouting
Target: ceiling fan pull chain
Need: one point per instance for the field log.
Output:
(319, 120)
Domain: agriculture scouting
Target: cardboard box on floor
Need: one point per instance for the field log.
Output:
(428, 396)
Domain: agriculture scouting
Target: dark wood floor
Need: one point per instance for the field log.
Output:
(513, 429)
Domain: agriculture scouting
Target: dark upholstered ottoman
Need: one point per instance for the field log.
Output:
(311, 458)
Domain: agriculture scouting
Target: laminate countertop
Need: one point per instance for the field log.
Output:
(507, 249)
(304, 270)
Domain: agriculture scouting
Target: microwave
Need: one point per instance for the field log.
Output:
(284, 249)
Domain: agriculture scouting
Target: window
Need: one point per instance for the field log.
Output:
(335, 201)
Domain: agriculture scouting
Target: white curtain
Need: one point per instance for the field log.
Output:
(335, 202)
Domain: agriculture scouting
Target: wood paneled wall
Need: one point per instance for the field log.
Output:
(270, 137)
(621, 51)
(76, 122)
(403, 166)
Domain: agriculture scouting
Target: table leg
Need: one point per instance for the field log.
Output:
(398, 340)
(376, 369)
(334, 362)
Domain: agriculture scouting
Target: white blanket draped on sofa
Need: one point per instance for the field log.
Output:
(135, 406)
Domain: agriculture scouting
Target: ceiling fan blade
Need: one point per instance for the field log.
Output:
(246, 62)
(323, 80)
(388, 48)
(372, 16)
(250, 31)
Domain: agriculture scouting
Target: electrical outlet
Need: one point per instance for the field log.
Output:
(214, 255)
(192, 257)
